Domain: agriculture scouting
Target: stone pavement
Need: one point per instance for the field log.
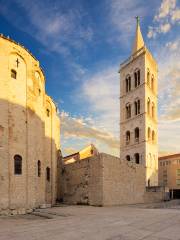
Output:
(93, 223)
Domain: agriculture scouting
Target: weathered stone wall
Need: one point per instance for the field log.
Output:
(26, 130)
(106, 180)
(154, 194)
(123, 182)
(82, 182)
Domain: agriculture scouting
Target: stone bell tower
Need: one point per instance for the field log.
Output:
(138, 109)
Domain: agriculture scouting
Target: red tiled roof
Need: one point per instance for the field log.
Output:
(169, 156)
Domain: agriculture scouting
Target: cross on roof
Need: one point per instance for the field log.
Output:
(17, 62)
(137, 19)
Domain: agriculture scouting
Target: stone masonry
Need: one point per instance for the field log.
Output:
(29, 133)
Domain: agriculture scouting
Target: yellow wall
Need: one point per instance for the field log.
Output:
(26, 130)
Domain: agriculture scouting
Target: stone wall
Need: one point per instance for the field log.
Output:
(26, 130)
(82, 182)
(105, 180)
(123, 181)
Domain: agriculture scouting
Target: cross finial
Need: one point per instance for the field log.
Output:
(137, 19)
(17, 62)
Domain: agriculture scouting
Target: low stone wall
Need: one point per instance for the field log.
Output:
(105, 180)
(154, 194)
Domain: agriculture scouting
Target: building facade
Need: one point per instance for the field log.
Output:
(29, 132)
(86, 152)
(138, 109)
(169, 173)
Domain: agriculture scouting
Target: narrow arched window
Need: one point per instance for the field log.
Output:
(128, 110)
(137, 78)
(148, 106)
(39, 168)
(128, 158)
(128, 137)
(152, 110)
(136, 156)
(136, 134)
(13, 73)
(48, 174)
(137, 107)
(17, 165)
(47, 112)
(152, 82)
(149, 133)
(128, 83)
(148, 77)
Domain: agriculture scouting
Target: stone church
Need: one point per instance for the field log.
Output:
(29, 132)
(31, 171)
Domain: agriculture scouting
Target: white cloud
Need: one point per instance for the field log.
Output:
(175, 15)
(173, 46)
(46, 22)
(122, 16)
(165, 9)
(167, 16)
(100, 94)
(80, 128)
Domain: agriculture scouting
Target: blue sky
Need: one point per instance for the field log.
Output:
(80, 45)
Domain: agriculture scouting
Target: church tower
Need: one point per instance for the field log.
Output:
(138, 109)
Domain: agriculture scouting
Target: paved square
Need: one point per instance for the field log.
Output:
(89, 223)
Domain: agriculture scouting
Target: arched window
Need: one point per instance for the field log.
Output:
(136, 156)
(136, 134)
(137, 78)
(128, 137)
(17, 165)
(152, 82)
(149, 133)
(13, 73)
(137, 107)
(39, 168)
(48, 112)
(128, 158)
(148, 106)
(48, 174)
(148, 77)
(128, 83)
(153, 136)
(152, 110)
(128, 110)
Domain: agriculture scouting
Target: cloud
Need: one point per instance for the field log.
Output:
(69, 151)
(167, 16)
(101, 93)
(166, 8)
(174, 45)
(79, 128)
(121, 14)
(58, 29)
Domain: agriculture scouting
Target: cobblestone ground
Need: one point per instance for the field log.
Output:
(84, 222)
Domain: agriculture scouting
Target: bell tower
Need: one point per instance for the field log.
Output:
(138, 109)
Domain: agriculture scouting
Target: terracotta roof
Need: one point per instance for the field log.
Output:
(169, 156)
